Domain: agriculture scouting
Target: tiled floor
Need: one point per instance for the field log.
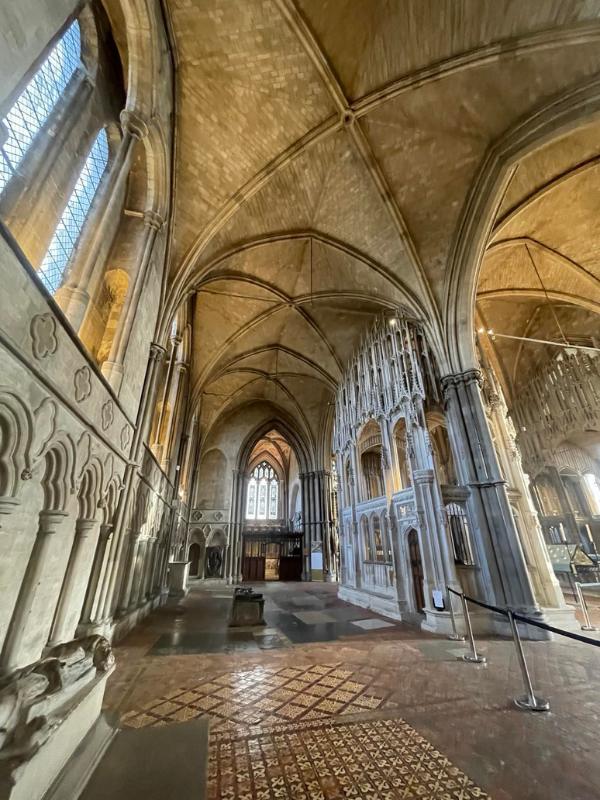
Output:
(314, 705)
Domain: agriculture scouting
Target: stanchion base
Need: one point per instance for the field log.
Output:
(473, 659)
(539, 704)
(455, 637)
(589, 628)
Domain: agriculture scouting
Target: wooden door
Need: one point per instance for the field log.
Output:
(194, 558)
(416, 568)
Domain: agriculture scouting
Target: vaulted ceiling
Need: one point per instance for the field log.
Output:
(540, 276)
(324, 153)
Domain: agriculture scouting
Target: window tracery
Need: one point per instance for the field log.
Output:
(263, 493)
(73, 217)
(31, 109)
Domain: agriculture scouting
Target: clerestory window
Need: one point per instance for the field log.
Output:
(32, 108)
(73, 217)
(263, 493)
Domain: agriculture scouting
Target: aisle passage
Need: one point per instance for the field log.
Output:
(331, 701)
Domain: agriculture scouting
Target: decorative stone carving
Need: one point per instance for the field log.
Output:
(218, 516)
(77, 657)
(196, 515)
(83, 384)
(108, 415)
(43, 335)
(84, 452)
(125, 437)
(22, 732)
(21, 737)
(45, 425)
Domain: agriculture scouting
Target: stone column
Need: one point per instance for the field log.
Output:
(504, 579)
(387, 459)
(567, 508)
(176, 401)
(241, 512)
(233, 526)
(129, 572)
(74, 295)
(394, 459)
(112, 368)
(20, 624)
(92, 598)
(65, 621)
(144, 417)
(306, 572)
(355, 496)
(139, 586)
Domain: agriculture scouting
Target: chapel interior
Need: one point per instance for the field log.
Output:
(299, 399)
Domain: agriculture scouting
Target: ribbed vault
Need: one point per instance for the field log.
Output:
(325, 156)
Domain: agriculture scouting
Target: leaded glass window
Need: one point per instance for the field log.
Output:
(273, 500)
(263, 493)
(35, 103)
(73, 217)
(251, 500)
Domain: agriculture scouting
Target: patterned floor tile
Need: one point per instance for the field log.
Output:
(372, 760)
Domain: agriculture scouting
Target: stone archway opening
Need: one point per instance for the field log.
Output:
(272, 533)
(537, 317)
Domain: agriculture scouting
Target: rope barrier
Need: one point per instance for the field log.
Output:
(528, 701)
(521, 618)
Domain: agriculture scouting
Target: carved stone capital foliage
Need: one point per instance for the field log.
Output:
(44, 342)
(82, 381)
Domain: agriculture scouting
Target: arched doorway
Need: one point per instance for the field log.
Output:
(194, 559)
(416, 569)
(215, 555)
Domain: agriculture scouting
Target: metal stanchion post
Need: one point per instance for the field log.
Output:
(581, 600)
(473, 656)
(455, 636)
(528, 701)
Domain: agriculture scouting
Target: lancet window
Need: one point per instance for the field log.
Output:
(33, 106)
(263, 493)
(73, 217)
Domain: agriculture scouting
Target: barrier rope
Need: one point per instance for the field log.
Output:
(503, 612)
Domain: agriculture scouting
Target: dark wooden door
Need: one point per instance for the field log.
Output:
(194, 558)
(253, 568)
(416, 567)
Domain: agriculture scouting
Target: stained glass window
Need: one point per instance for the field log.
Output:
(263, 493)
(73, 217)
(33, 106)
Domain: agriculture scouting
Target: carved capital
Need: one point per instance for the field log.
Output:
(50, 520)
(134, 124)
(83, 527)
(153, 220)
(467, 378)
(157, 352)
